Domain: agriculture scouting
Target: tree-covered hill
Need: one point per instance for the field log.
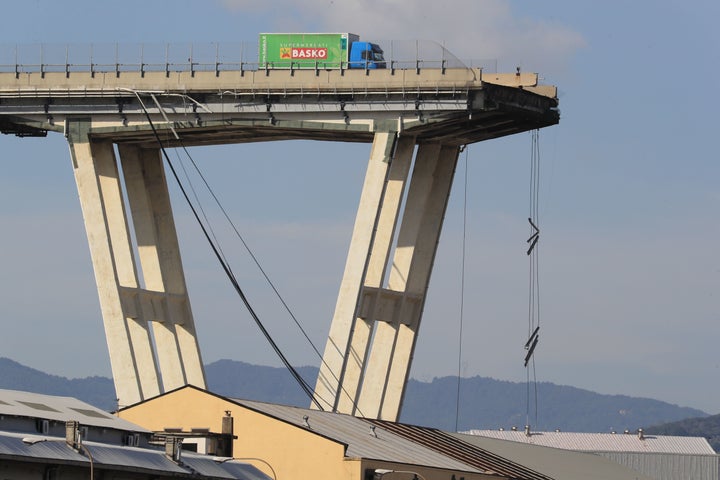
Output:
(708, 427)
(485, 403)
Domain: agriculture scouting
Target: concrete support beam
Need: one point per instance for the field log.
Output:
(390, 358)
(372, 337)
(341, 370)
(128, 338)
(412, 267)
(145, 325)
(176, 345)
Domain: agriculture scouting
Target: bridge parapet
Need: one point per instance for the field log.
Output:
(197, 57)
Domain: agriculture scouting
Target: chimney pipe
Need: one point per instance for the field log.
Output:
(227, 423)
(173, 449)
(228, 429)
(72, 428)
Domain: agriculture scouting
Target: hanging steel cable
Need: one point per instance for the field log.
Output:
(534, 277)
(264, 273)
(462, 289)
(226, 268)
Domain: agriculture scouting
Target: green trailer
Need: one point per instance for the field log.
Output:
(317, 50)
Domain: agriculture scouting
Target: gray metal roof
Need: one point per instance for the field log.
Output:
(455, 447)
(49, 407)
(355, 433)
(556, 463)
(54, 449)
(398, 443)
(605, 442)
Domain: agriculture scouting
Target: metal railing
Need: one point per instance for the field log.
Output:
(196, 57)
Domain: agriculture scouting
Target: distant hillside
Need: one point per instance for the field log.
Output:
(485, 402)
(708, 427)
(98, 391)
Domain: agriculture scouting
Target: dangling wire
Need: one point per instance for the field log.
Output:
(220, 252)
(534, 277)
(220, 257)
(262, 271)
(462, 290)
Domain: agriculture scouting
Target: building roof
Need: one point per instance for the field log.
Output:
(458, 449)
(394, 442)
(605, 442)
(355, 433)
(62, 409)
(19, 446)
(554, 462)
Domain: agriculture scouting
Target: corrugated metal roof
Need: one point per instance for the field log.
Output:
(223, 469)
(36, 405)
(55, 449)
(669, 466)
(605, 442)
(356, 434)
(557, 463)
(396, 442)
(456, 448)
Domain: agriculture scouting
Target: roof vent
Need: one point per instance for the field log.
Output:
(527, 430)
(372, 431)
(305, 421)
(641, 435)
(513, 428)
(173, 449)
(72, 433)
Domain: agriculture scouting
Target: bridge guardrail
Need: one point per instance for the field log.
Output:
(196, 57)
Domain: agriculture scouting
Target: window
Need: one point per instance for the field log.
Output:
(42, 426)
(132, 440)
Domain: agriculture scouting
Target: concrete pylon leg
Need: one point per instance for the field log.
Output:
(128, 338)
(346, 348)
(411, 270)
(390, 357)
(164, 300)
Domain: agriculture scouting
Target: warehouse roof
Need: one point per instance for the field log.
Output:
(605, 442)
(554, 462)
(392, 442)
(50, 407)
(19, 446)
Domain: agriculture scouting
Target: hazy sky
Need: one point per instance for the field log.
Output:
(630, 195)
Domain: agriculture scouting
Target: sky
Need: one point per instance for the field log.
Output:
(629, 199)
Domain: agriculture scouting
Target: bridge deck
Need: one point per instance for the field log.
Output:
(455, 106)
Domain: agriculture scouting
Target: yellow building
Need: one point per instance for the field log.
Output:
(291, 443)
(296, 443)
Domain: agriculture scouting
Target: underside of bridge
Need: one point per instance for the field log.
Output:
(417, 123)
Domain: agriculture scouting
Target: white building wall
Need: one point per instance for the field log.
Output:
(669, 466)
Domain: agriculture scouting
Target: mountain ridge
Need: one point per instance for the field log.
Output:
(485, 403)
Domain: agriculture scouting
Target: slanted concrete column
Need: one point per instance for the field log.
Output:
(396, 331)
(128, 338)
(372, 337)
(164, 301)
(344, 358)
(149, 328)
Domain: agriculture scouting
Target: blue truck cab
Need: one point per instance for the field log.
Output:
(366, 55)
